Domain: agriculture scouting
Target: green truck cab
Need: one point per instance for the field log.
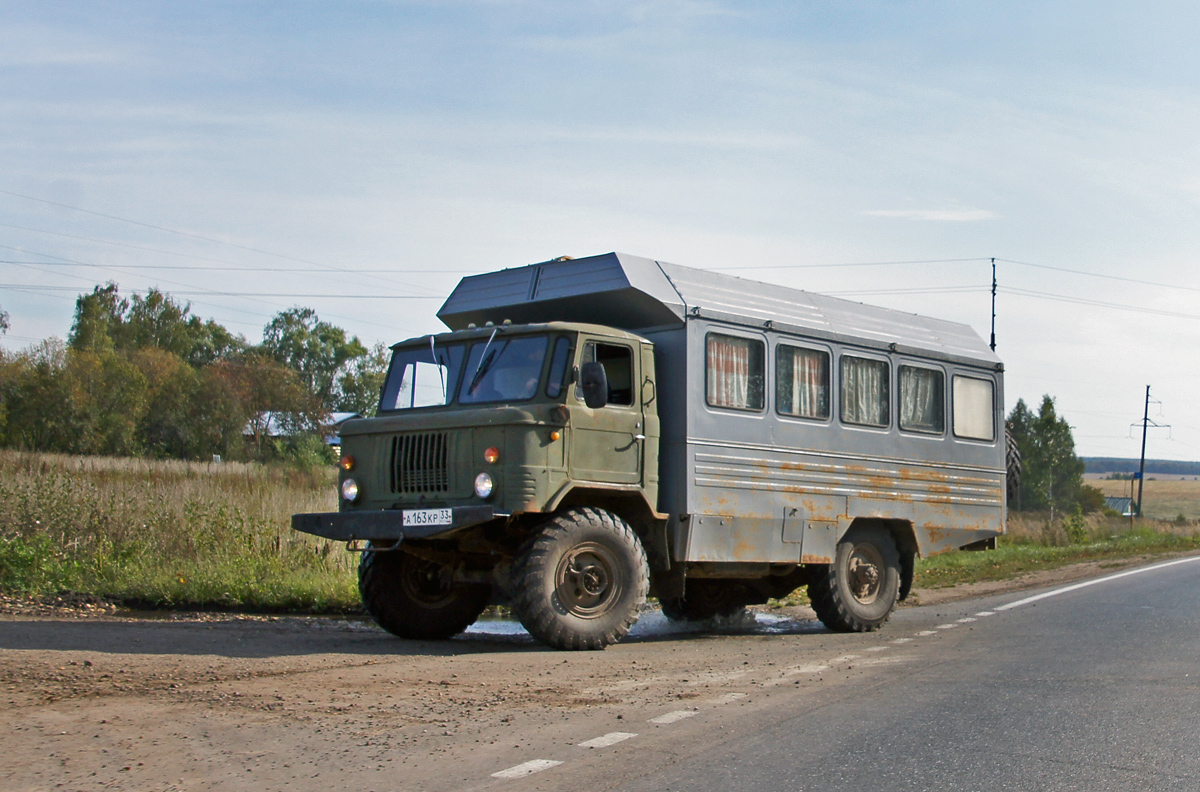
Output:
(482, 434)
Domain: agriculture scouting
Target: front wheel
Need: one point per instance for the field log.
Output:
(412, 597)
(580, 581)
(857, 592)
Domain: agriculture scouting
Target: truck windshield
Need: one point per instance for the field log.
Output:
(422, 377)
(503, 370)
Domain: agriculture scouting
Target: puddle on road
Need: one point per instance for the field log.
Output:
(653, 624)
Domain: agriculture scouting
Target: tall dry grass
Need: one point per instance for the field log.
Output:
(169, 533)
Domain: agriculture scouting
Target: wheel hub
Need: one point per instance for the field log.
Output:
(866, 566)
(587, 583)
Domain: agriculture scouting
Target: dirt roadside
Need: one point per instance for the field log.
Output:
(90, 699)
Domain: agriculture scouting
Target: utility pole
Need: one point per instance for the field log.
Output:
(1142, 464)
(993, 303)
(1146, 424)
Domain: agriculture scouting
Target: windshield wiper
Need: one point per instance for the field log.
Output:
(485, 362)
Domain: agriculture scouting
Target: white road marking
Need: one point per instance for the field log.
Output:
(672, 717)
(708, 679)
(986, 613)
(527, 768)
(901, 640)
(728, 698)
(1086, 583)
(612, 738)
(946, 626)
(809, 668)
(966, 620)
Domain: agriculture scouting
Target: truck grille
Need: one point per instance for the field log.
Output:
(419, 463)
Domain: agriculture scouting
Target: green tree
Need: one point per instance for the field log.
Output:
(156, 320)
(316, 350)
(98, 316)
(105, 320)
(4, 325)
(358, 388)
(1052, 475)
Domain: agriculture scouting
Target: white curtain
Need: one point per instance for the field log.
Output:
(808, 381)
(729, 372)
(865, 391)
(921, 399)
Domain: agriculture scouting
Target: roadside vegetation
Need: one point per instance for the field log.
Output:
(162, 534)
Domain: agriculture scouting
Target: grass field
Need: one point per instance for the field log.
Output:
(1165, 499)
(196, 535)
(169, 534)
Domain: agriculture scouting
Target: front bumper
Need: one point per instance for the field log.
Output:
(386, 523)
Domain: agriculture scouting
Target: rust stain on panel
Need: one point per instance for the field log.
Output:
(815, 559)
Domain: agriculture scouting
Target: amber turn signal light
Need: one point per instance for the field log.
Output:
(492, 455)
(555, 435)
(346, 462)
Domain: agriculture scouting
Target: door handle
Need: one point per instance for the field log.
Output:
(639, 437)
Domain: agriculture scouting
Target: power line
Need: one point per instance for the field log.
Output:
(1100, 275)
(207, 293)
(1094, 303)
(848, 264)
(188, 234)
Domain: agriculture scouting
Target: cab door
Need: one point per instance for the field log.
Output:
(607, 442)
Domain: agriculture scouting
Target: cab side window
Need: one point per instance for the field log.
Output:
(618, 367)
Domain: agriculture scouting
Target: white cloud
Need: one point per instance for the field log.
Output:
(935, 215)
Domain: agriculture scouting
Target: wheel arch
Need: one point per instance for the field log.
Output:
(632, 507)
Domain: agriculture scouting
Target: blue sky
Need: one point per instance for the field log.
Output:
(387, 148)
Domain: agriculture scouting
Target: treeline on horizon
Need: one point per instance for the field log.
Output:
(1169, 467)
(143, 376)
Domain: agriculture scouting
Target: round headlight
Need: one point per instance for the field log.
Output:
(483, 485)
(350, 490)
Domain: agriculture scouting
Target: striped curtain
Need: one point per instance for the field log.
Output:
(728, 362)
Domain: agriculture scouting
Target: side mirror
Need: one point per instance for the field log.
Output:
(593, 381)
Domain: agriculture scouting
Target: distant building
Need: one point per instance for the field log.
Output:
(278, 424)
(1122, 506)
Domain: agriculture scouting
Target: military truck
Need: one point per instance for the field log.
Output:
(593, 431)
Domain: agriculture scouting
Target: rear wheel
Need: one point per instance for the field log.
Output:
(413, 597)
(580, 581)
(857, 592)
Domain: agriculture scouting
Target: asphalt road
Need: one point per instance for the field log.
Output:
(1094, 687)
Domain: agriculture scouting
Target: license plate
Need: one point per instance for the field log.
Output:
(419, 517)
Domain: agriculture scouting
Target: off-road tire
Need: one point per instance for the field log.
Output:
(579, 582)
(1012, 464)
(706, 599)
(858, 591)
(414, 598)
